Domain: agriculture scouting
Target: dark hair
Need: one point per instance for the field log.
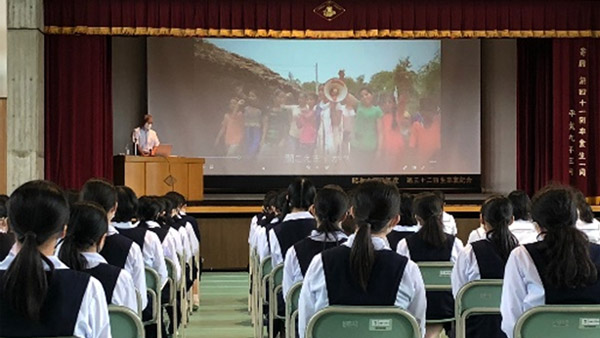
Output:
(521, 205)
(407, 213)
(37, 211)
(375, 203)
(330, 207)
(585, 211)
(128, 204)
(429, 207)
(497, 212)
(169, 203)
(281, 205)
(149, 209)
(87, 225)
(3, 210)
(567, 249)
(72, 196)
(268, 201)
(440, 194)
(301, 194)
(177, 198)
(99, 191)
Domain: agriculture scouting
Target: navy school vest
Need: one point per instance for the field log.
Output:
(60, 310)
(116, 250)
(308, 248)
(556, 295)
(491, 266)
(343, 289)
(394, 237)
(194, 223)
(160, 232)
(107, 275)
(268, 228)
(290, 232)
(440, 304)
(136, 234)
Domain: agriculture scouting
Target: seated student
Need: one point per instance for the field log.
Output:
(262, 234)
(330, 210)
(7, 238)
(265, 216)
(188, 238)
(118, 250)
(79, 251)
(408, 225)
(148, 241)
(39, 295)
(431, 244)
(562, 268)
(447, 219)
(485, 259)
(165, 221)
(364, 270)
(296, 225)
(586, 221)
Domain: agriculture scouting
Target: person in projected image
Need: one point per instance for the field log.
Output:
(232, 127)
(368, 136)
(252, 124)
(425, 135)
(144, 138)
(307, 124)
(275, 127)
(396, 130)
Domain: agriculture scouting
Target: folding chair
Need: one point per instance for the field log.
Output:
(436, 277)
(361, 322)
(275, 280)
(559, 321)
(475, 298)
(174, 285)
(125, 323)
(291, 309)
(264, 270)
(154, 287)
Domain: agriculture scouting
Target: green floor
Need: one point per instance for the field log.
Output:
(223, 309)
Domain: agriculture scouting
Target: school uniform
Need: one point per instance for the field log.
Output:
(262, 239)
(395, 281)
(117, 283)
(449, 224)
(191, 232)
(479, 260)
(440, 304)
(300, 255)
(591, 230)
(7, 240)
(477, 234)
(168, 242)
(124, 253)
(399, 232)
(295, 226)
(75, 305)
(524, 231)
(193, 223)
(149, 243)
(525, 285)
(185, 239)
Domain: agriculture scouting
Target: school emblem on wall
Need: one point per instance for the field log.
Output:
(329, 10)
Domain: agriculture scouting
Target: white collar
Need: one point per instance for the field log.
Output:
(521, 224)
(124, 225)
(378, 242)
(11, 256)
(298, 215)
(406, 228)
(331, 237)
(111, 230)
(152, 224)
(275, 220)
(93, 259)
(182, 213)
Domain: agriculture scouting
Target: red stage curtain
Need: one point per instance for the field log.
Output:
(297, 18)
(558, 113)
(78, 109)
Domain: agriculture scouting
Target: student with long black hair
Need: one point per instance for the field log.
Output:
(586, 221)
(329, 210)
(431, 244)
(485, 259)
(562, 268)
(39, 295)
(118, 250)
(84, 239)
(364, 270)
(408, 224)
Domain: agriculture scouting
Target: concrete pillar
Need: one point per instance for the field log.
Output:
(25, 111)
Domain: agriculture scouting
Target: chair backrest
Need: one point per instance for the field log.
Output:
(292, 298)
(173, 282)
(153, 286)
(276, 276)
(152, 280)
(124, 323)
(266, 267)
(436, 275)
(362, 321)
(477, 297)
(558, 321)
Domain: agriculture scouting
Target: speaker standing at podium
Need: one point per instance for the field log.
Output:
(145, 139)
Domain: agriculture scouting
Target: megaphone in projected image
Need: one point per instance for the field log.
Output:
(335, 90)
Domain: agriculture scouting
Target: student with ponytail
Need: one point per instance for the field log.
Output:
(408, 224)
(329, 210)
(562, 268)
(39, 295)
(84, 239)
(431, 244)
(364, 270)
(485, 259)
(586, 221)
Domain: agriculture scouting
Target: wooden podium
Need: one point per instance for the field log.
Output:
(159, 175)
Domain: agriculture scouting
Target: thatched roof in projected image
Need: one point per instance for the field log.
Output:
(244, 69)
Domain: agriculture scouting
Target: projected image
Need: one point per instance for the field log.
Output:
(317, 106)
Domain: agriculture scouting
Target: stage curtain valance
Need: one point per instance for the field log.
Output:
(326, 19)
